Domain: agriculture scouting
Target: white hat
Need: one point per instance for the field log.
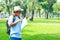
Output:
(17, 8)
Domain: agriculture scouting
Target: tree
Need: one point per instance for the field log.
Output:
(33, 8)
(2, 6)
(47, 5)
(38, 8)
(56, 8)
(25, 7)
(8, 2)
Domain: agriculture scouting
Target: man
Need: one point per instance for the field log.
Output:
(15, 27)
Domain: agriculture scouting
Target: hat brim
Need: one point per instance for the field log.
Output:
(19, 10)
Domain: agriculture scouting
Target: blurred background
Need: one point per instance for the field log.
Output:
(32, 8)
(43, 17)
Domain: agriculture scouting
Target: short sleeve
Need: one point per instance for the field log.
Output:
(10, 19)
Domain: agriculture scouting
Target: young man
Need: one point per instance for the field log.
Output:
(15, 27)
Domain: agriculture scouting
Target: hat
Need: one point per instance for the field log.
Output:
(17, 8)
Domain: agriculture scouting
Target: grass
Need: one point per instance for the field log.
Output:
(3, 34)
(42, 31)
(50, 20)
(37, 30)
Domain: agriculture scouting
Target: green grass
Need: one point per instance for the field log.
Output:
(3, 21)
(36, 30)
(37, 20)
(51, 20)
(42, 31)
(3, 34)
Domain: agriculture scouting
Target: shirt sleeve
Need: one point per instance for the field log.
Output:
(10, 19)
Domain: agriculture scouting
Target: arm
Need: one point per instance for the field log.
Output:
(14, 23)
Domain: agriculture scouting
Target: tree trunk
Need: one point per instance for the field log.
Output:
(8, 8)
(46, 14)
(58, 16)
(31, 19)
(33, 7)
(39, 13)
(24, 13)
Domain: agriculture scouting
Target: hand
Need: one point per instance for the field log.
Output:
(20, 19)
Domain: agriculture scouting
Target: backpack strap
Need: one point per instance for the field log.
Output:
(13, 18)
(18, 17)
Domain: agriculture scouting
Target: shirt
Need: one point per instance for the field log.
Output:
(15, 31)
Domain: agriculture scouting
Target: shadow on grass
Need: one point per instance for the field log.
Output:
(41, 37)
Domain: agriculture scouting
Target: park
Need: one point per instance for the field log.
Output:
(44, 30)
(43, 17)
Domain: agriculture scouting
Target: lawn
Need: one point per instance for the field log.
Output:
(35, 31)
(50, 20)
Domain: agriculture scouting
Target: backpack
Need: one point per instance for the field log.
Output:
(8, 28)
